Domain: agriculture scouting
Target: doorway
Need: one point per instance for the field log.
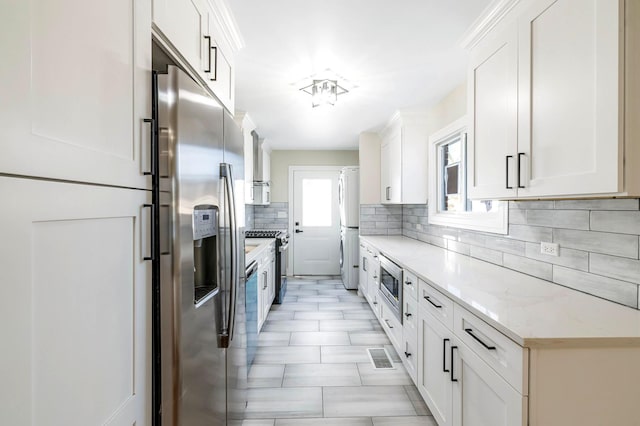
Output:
(314, 220)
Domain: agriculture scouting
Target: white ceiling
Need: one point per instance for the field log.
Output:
(401, 54)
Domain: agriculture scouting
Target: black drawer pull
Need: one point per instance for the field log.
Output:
(452, 348)
(428, 299)
(470, 333)
(444, 355)
(407, 354)
(407, 314)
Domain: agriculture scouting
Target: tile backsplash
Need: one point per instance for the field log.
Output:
(599, 243)
(378, 219)
(273, 216)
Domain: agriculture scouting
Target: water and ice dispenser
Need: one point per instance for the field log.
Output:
(205, 251)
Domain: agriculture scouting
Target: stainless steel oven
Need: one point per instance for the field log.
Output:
(391, 285)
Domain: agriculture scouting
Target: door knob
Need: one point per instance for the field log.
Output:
(298, 231)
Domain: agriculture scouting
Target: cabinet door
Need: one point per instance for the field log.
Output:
(493, 132)
(480, 396)
(77, 90)
(218, 62)
(569, 98)
(273, 278)
(434, 367)
(74, 304)
(182, 22)
(391, 167)
(363, 272)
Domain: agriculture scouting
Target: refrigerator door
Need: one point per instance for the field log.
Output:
(237, 349)
(192, 280)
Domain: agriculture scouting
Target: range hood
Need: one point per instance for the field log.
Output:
(261, 184)
(258, 158)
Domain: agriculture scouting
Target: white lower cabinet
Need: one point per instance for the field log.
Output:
(390, 324)
(434, 367)
(481, 397)
(266, 283)
(75, 315)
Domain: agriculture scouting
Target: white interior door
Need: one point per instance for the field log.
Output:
(316, 221)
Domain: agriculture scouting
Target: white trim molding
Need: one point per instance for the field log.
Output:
(496, 221)
(226, 22)
(487, 20)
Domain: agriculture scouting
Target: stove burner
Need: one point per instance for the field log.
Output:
(262, 234)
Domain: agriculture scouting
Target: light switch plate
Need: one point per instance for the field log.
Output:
(550, 249)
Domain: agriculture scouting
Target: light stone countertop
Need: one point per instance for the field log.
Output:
(530, 311)
(260, 243)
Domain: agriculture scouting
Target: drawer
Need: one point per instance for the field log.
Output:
(390, 324)
(409, 356)
(502, 354)
(436, 303)
(410, 319)
(409, 285)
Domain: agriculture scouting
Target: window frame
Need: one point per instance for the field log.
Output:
(496, 222)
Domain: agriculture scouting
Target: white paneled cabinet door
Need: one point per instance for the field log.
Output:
(74, 304)
(434, 367)
(182, 22)
(391, 166)
(480, 396)
(77, 90)
(569, 98)
(493, 132)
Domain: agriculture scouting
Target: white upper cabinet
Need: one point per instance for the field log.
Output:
(547, 93)
(403, 159)
(204, 36)
(493, 133)
(76, 90)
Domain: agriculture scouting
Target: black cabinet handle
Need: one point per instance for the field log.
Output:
(507, 171)
(152, 214)
(520, 154)
(470, 333)
(407, 282)
(388, 325)
(428, 299)
(452, 378)
(152, 139)
(407, 354)
(444, 355)
(298, 231)
(407, 314)
(208, 38)
(215, 71)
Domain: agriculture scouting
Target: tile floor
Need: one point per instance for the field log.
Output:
(312, 367)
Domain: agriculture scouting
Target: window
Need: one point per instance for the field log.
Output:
(449, 203)
(316, 202)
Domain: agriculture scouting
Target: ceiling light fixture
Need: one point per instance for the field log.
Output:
(324, 92)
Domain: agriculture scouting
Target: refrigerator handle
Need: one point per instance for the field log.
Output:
(226, 174)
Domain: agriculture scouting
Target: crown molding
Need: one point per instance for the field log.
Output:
(227, 24)
(487, 20)
(245, 122)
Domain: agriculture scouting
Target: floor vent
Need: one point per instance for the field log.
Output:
(380, 359)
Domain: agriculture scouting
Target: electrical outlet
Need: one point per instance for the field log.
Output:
(550, 249)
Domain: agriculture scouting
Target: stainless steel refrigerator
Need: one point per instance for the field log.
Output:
(201, 372)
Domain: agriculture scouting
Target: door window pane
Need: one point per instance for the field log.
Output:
(316, 202)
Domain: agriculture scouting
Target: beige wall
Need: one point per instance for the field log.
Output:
(449, 109)
(281, 160)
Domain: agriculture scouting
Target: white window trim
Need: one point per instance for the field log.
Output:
(495, 223)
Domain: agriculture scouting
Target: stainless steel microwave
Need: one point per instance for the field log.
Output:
(391, 285)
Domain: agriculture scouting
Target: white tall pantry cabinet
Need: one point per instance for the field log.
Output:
(75, 299)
